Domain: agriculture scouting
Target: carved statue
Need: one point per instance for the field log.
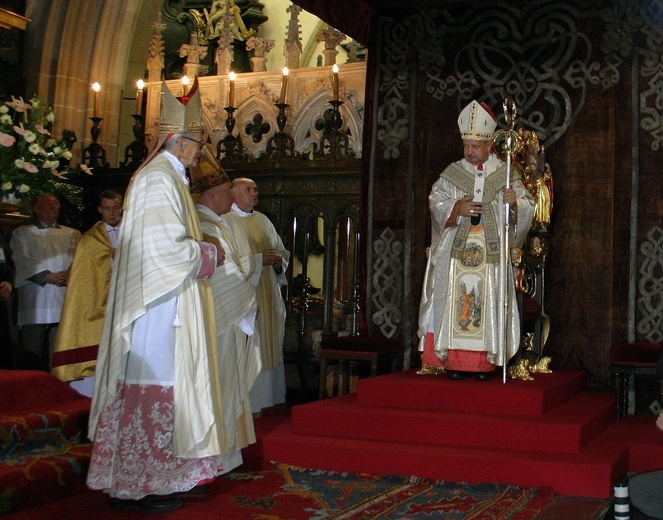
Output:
(524, 369)
(521, 370)
(216, 20)
(224, 14)
(537, 178)
(541, 366)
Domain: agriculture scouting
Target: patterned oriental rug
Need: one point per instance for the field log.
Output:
(362, 496)
(280, 492)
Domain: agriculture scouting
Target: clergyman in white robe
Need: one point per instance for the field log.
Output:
(255, 234)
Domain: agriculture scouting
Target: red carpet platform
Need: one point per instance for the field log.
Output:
(44, 452)
(549, 432)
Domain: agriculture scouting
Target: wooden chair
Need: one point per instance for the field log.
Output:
(348, 350)
(627, 359)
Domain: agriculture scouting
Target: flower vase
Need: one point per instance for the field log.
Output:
(10, 203)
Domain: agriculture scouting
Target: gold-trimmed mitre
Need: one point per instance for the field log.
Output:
(208, 174)
(180, 115)
(177, 116)
(477, 122)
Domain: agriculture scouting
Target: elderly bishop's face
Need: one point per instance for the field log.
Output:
(476, 152)
(191, 148)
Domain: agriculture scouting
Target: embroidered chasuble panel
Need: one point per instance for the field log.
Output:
(469, 280)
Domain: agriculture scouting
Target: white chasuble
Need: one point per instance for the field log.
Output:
(255, 233)
(159, 330)
(461, 302)
(239, 354)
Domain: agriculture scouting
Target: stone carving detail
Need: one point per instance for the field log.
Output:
(650, 287)
(537, 53)
(155, 60)
(260, 47)
(332, 38)
(308, 136)
(387, 283)
(293, 41)
(193, 53)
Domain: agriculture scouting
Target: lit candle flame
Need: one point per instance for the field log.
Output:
(231, 91)
(96, 87)
(284, 84)
(140, 85)
(335, 81)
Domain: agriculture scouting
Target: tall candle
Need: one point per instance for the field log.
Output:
(231, 90)
(185, 84)
(284, 84)
(335, 81)
(140, 84)
(96, 87)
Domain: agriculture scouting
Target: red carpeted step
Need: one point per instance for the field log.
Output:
(29, 481)
(24, 390)
(32, 430)
(411, 391)
(34, 404)
(566, 428)
(590, 473)
(44, 451)
(643, 440)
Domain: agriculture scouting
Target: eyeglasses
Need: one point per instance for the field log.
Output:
(200, 144)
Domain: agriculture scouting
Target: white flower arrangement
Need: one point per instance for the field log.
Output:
(32, 162)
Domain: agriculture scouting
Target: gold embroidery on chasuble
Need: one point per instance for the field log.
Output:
(494, 182)
(75, 355)
(468, 283)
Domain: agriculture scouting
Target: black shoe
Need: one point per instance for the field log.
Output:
(147, 505)
(196, 492)
(484, 376)
(455, 374)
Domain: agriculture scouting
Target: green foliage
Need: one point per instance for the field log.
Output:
(32, 162)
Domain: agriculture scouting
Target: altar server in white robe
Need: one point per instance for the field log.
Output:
(43, 252)
(235, 305)
(157, 418)
(460, 303)
(260, 244)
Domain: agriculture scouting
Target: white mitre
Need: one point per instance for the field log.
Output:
(477, 122)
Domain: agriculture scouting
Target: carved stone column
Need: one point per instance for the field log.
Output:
(293, 41)
(194, 54)
(155, 61)
(260, 46)
(332, 38)
(225, 52)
